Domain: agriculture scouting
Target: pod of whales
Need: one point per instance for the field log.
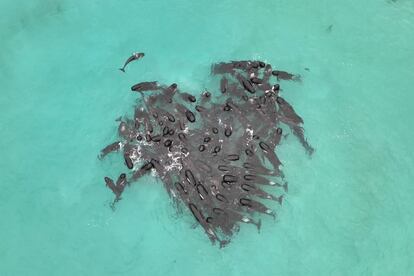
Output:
(215, 155)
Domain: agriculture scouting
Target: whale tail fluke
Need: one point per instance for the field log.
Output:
(122, 69)
(224, 243)
(259, 225)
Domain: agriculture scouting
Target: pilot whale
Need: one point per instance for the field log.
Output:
(134, 56)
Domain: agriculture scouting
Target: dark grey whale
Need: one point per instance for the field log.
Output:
(145, 86)
(115, 146)
(283, 75)
(134, 56)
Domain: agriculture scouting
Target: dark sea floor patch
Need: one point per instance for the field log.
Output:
(215, 156)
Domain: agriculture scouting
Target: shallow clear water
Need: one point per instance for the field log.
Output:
(349, 210)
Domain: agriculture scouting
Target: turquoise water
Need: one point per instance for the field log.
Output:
(349, 210)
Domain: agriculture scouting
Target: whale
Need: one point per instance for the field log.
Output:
(134, 56)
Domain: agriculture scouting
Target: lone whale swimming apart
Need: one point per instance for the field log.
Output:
(134, 56)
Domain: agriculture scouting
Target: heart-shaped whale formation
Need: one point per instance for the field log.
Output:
(214, 155)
